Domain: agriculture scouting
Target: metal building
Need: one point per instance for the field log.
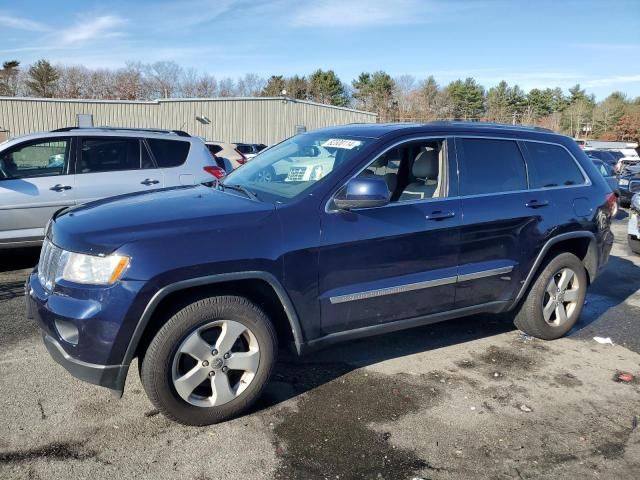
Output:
(251, 119)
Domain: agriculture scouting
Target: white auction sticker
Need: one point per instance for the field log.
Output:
(342, 143)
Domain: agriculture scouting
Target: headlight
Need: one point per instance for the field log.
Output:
(91, 269)
(635, 202)
(623, 182)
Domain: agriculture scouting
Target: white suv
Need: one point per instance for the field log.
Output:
(43, 172)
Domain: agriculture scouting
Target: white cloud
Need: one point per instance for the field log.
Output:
(22, 24)
(611, 81)
(99, 27)
(362, 13)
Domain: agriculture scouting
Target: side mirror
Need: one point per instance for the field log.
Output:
(363, 192)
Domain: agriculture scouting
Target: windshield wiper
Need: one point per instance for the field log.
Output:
(236, 187)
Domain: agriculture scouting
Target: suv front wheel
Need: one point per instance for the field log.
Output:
(210, 361)
(555, 300)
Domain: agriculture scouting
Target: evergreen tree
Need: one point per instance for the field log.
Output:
(42, 79)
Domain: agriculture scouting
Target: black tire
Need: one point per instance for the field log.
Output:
(634, 244)
(529, 317)
(158, 362)
(625, 203)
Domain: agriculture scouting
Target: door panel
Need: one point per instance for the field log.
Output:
(399, 261)
(109, 166)
(501, 229)
(497, 233)
(383, 264)
(39, 185)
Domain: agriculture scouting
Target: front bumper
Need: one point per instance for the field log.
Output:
(109, 376)
(84, 328)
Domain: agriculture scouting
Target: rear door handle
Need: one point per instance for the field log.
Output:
(149, 181)
(60, 188)
(440, 215)
(537, 203)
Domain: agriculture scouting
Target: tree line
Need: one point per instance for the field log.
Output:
(402, 98)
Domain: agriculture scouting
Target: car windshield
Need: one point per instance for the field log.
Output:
(616, 155)
(290, 168)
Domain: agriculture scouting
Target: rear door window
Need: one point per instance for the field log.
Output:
(551, 166)
(107, 154)
(169, 153)
(490, 166)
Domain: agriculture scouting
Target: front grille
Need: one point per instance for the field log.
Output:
(48, 264)
(634, 186)
(296, 174)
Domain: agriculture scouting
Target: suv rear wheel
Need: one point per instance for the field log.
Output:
(210, 361)
(555, 300)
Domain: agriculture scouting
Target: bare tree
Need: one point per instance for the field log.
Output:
(405, 95)
(227, 87)
(164, 78)
(72, 82)
(130, 83)
(250, 85)
(101, 85)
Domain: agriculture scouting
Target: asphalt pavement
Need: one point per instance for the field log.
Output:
(470, 398)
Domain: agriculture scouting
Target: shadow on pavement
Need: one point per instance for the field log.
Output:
(294, 376)
(18, 258)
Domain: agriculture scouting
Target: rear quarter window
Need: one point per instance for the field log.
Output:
(169, 153)
(551, 166)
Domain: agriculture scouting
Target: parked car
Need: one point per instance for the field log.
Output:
(250, 150)
(628, 185)
(632, 228)
(221, 161)
(626, 165)
(609, 175)
(375, 243)
(603, 155)
(43, 172)
(237, 153)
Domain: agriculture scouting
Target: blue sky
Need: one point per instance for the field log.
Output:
(535, 43)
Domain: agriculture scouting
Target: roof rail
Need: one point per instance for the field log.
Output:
(506, 126)
(180, 133)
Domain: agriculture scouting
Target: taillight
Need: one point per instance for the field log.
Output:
(215, 171)
(242, 160)
(612, 204)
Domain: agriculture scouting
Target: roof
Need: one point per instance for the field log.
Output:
(177, 100)
(106, 132)
(377, 130)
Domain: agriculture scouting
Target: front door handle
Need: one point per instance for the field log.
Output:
(149, 181)
(440, 215)
(537, 203)
(60, 188)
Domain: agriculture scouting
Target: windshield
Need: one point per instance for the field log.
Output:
(290, 168)
(616, 155)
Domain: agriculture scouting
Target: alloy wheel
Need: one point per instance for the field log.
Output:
(215, 363)
(561, 297)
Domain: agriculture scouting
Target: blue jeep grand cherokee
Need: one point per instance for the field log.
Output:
(328, 236)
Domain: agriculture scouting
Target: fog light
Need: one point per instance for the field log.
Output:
(68, 331)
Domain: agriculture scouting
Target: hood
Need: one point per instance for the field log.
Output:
(102, 226)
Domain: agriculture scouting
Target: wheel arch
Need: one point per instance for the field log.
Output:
(582, 244)
(220, 284)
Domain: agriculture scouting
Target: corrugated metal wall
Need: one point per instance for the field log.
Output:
(259, 120)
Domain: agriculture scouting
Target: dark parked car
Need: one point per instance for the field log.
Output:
(609, 175)
(603, 155)
(367, 229)
(628, 186)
